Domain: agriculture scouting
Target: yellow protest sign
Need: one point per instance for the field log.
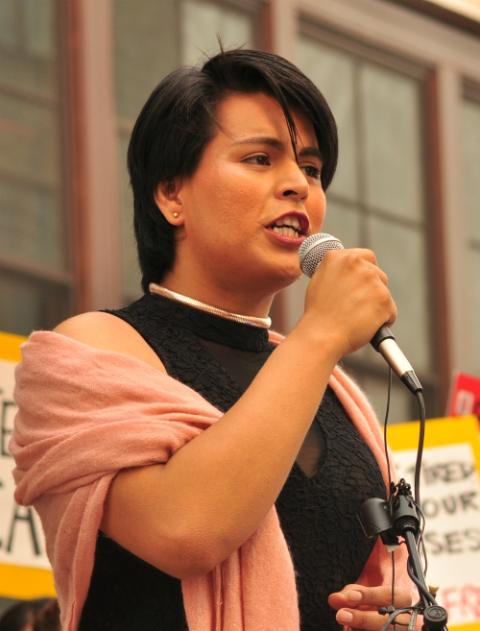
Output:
(24, 567)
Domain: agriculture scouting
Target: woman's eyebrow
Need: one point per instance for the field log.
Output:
(261, 140)
(278, 144)
(311, 151)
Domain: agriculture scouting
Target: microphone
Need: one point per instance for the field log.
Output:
(311, 253)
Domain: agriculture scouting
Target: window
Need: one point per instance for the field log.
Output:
(378, 197)
(34, 285)
(470, 142)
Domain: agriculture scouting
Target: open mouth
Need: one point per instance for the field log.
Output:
(292, 225)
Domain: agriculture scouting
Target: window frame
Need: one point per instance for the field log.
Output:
(447, 55)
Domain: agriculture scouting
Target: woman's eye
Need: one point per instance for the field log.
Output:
(259, 158)
(311, 171)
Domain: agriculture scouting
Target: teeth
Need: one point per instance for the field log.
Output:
(285, 231)
(293, 221)
(289, 221)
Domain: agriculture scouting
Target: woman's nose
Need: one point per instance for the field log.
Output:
(293, 183)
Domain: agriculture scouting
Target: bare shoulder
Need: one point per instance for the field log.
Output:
(110, 333)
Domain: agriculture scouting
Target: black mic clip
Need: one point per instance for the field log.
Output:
(399, 517)
(390, 519)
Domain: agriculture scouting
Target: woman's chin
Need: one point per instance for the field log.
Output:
(288, 275)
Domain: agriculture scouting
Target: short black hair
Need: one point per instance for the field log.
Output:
(24, 612)
(178, 120)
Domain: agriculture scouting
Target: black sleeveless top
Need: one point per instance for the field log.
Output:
(218, 358)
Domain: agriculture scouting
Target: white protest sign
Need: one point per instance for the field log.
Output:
(450, 500)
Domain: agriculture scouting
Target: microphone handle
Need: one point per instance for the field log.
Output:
(384, 342)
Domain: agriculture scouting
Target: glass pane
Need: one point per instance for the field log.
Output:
(8, 30)
(332, 71)
(31, 224)
(38, 27)
(343, 222)
(28, 304)
(29, 142)
(145, 50)
(202, 23)
(31, 216)
(20, 307)
(473, 311)
(294, 302)
(376, 389)
(27, 34)
(391, 111)
(471, 167)
(401, 254)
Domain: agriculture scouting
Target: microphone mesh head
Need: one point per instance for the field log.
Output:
(313, 250)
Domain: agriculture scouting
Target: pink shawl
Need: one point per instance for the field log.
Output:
(84, 414)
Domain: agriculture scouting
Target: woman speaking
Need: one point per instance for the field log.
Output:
(192, 469)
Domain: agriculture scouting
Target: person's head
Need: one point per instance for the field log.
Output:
(179, 120)
(48, 617)
(39, 614)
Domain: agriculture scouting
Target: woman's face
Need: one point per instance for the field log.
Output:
(249, 205)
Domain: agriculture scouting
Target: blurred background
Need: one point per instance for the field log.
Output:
(403, 79)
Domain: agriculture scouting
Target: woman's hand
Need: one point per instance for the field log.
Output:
(348, 297)
(357, 606)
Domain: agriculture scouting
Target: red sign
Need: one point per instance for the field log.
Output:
(464, 395)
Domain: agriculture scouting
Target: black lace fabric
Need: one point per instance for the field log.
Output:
(334, 473)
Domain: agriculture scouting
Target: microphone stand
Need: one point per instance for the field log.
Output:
(399, 518)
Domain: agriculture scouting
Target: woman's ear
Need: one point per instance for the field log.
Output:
(169, 203)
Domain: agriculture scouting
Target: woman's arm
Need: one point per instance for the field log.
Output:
(186, 516)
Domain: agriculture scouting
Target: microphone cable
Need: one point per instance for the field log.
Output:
(416, 609)
(311, 254)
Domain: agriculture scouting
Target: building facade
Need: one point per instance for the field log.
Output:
(403, 79)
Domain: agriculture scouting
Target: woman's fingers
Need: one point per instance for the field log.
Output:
(367, 620)
(348, 296)
(358, 606)
(371, 597)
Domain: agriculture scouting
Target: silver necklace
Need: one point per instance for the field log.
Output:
(263, 323)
